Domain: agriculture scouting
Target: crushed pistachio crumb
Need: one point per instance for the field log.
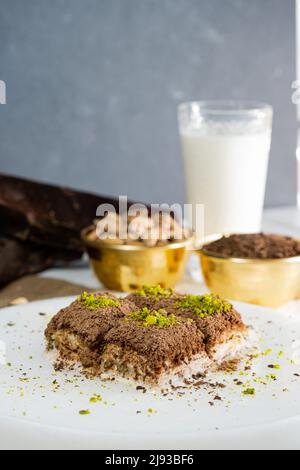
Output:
(205, 305)
(84, 412)
(92, 302)
(154, 291)
(267, 352)
(249, 391)
(159, 318)
(95, 398)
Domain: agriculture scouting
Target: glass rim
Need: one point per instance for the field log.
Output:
(227, 107)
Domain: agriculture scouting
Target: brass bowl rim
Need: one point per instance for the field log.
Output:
(293, 259)
(99, 244)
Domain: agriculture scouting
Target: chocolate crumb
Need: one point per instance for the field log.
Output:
(199, 375)
(231, 366)
(187, 382)
(219, 385)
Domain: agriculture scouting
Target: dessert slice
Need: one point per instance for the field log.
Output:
(149, 336)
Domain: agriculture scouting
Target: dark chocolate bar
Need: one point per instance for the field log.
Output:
(46, 214)
(19, 258)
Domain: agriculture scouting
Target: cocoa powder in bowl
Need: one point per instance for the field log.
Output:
(254, 246)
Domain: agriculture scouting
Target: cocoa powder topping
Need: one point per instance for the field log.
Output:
(255, 246)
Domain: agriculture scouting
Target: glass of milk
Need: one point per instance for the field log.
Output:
(225, 148)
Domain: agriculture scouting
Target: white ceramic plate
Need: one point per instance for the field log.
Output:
(39, 408)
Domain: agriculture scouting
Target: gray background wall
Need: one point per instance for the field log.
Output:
(93, 85)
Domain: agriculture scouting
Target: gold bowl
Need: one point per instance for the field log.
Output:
(126, 268)
(270, 282)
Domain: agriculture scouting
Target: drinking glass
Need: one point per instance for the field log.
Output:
(225, 150)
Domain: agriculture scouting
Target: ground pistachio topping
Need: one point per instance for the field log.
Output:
(154, 291)
(249, 391)
(159, 318)
(92, 302)
(204, 305)
(95, 398)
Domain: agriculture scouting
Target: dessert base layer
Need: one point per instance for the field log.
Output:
(115, 361)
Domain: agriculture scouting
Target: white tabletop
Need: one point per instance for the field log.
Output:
(285, 220)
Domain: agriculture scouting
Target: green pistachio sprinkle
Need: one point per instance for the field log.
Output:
(84, 412)
(249, 391)
(92, 302)
(159, 318)
(154, 291)
(204, 305)
(267, 352)
(95, 398)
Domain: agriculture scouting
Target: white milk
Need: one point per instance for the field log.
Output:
(227, 173)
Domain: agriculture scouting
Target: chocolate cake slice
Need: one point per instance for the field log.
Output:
(148, 337)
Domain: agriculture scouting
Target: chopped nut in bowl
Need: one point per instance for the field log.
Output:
(129, 252)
